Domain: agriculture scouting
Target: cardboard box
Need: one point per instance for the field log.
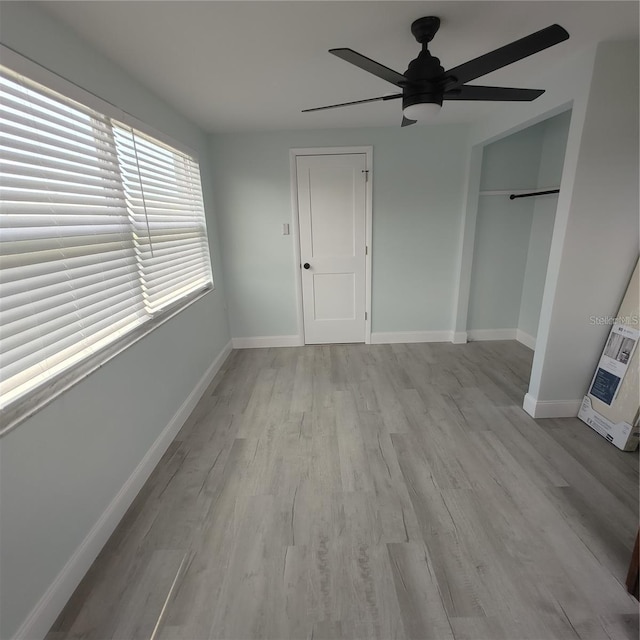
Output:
(621, 434)
(612, 404)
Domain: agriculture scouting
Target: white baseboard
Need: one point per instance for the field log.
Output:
(396, 337)
(526, 339)
(267, 341)
(551, 408)
(502, 334)
(44, 614)
(393, 337)
(475, 335)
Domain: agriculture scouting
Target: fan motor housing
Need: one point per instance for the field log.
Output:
(424, 81)
(424, 68)
(410, 98)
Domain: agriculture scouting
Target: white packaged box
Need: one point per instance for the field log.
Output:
(612, 404)
(621, 434)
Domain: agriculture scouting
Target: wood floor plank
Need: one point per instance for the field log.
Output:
(354, 464)
(371, 491)
(616, 470)
(419, 597)
(455, 570)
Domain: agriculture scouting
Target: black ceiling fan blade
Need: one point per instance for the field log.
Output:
(504, 56)
(506, 94)
(367, 64)
(406, 122)
(395, 96)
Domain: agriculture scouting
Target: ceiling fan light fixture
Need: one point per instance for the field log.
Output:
(425, 83)
(422, 111)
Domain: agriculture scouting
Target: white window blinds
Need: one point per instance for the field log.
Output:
(164, 199)
(100, 229)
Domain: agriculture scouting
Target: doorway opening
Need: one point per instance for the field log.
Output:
(519, 179)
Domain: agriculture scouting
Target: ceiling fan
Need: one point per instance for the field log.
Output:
(425, 84)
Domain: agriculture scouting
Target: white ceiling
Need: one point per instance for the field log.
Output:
(240, 66)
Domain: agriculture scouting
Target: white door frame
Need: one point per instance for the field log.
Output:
(326, 151)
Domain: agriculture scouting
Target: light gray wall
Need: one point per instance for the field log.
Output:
(513, 162)
(502, 233)
(62, 467)
(499, 261)
(595, 244)
(418, 188)
(554, 143)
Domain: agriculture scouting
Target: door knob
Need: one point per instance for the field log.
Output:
(306, 265)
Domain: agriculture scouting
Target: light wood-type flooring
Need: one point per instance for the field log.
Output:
(384, 491)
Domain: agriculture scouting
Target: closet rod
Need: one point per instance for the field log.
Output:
(513, 196)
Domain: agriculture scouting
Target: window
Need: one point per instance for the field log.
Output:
(164, 201)
(102, 231)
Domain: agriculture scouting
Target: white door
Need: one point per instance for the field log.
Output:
(332, 220)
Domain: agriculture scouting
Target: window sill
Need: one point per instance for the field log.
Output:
(39, 397)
